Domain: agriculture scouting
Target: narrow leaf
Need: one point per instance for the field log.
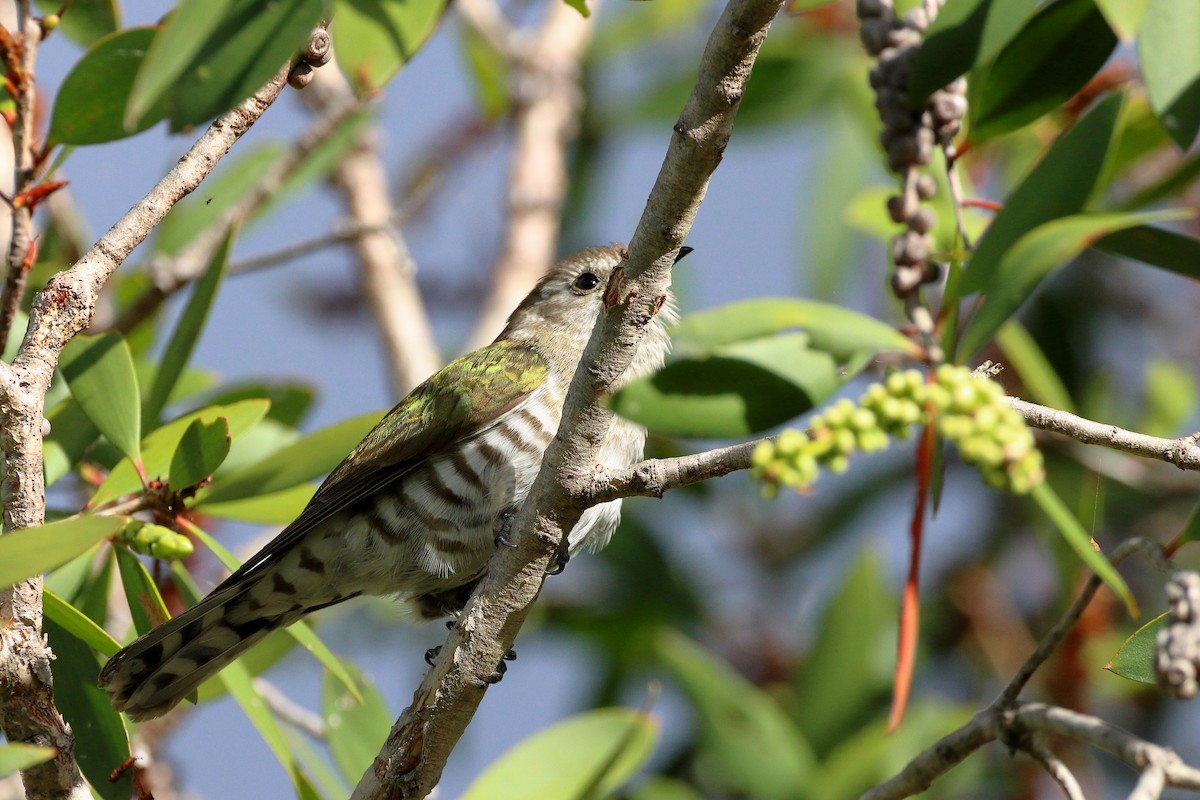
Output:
(356, 723)
(1135, 658)
(1157, 247)
(1124, 16)
(100, 372)
(278, 508)
(78, 624)
(1170, 63)
(201, 450)
(1081, 543)
(16, 757)
(32, 551)
(374, 39)
(1041, 381)
(187, 331)
(146, 605)
(564, 760)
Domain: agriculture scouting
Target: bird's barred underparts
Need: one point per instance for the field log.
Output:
(416, 508)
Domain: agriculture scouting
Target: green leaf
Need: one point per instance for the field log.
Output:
(187, 331)
(357, 725)
(588, 755)
(309, 457)
(90, 104)
(488, 70)
(300, 631)
(739, 389)
(580, 6)
(1081, 543)
(1135, 658)
(86, 20)
(1042, 384)
(218, 195)
(375, 38)
(1060, 185)
(1157, 247)
(1170, 399)
(238, 682)
(71, 433)
(745, 739)
(289, 401)
(100, 372)
(838, 331)
(158, 449)
(251, 42)
(32, 551)
(965, 34)
(1054, 55)
(278, 508)
(146, 606)
(17, 757)
(1038, 253)
(181, 37)
(1124, 16)
(1171, 66)
(849, 668)
(101, 743)
(660, 787)
(201, 450)
(78, 624)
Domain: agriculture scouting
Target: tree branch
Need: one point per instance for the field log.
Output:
(1183, 452)
(61, 310)
(412, 759)
(388, 270)
(544, 74)
(656, 476)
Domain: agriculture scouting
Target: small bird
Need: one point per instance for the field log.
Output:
(418, 507)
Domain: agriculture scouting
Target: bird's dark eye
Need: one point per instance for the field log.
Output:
(586, 281)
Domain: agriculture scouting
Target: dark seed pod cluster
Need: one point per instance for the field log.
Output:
(1177, 647)
(316, 53)
(909, 135)
(969, 409)
(155, 541)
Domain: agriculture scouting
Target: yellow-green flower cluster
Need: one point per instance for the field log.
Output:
(969, 409)
(156, 541)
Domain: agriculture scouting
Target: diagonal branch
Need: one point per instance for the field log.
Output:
(412, 759)
(61, 310)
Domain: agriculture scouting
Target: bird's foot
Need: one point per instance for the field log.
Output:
(431, 654)
(506, 521)
(559, 562)
(501, 668)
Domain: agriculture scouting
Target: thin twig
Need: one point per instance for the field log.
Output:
(341, 235)
(1183, 452)
(1054, 767)
(61, 310)
(289, 710)
(411, 761)
(656, 476)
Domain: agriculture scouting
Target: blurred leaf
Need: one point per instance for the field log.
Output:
(90, 105)
(300, 631)
(585, 756)
(201, 450)
(100, 372)
(146, 606)
(158, 449)
(739, 389)
(1157, 247)
(75, 622)
(252, 41)
(320, 162)
(1043, 66)
(289, 401)
(1124, 16)
(1081, 543)
(327, 782)
(1170, 399)
(180, 38)
(660, 787)
(830, 328)
(1042, 384)
(1175, 180)
(1135, 658)
(849, 668)
(32, 551)
(217, 197)
(356, 727)
(16, 757)
(847, 157)
(240, 685)
(1191, 529)
(375, 38)
(187, 331)
(965, 34)
(744, 736)
(278, 508)
(1170, 64)
(488, 70)
(1035, 255)
(309, 457)
(580, 6)
(265, 438)
(71, 433)
(1060, 185)
(93, 595)
(85, 20)
(867, 213)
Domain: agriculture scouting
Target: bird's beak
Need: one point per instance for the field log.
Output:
(683, 251)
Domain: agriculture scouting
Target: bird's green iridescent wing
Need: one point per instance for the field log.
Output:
(465, 398)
